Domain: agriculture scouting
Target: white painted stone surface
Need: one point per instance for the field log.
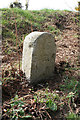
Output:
(38, 60)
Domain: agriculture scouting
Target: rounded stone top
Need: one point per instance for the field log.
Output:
(34, 35)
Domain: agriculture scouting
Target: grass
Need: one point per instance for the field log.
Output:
(70, 84)
(26, 21)
(25, 18)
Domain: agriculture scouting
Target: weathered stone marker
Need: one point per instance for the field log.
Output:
(38, 58)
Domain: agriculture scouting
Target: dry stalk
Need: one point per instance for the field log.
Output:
(17, 41)
(70, 108)
(21, 98)
(31, 28)
(48, 115)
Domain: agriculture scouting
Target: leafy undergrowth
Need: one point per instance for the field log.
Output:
(56, 98)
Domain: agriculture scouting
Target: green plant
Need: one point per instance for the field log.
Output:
(72, 116)
(48, 98)
(17, 112)
(51, 28)
(51, 105)
(70, 84)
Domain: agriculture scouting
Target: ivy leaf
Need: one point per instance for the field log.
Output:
(51, 105)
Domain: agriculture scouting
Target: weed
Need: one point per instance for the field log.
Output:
(51, 105)
(72, 116)
(70, 84)
(16, 111)
(51, 28)
(48, 98)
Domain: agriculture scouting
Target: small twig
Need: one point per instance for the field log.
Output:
(48, 114)
(21, 98)
(70, 108)
(16, 33)
(17, 42)
(43, 113)
(61, 103)
(76, 85)
(40, 115)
